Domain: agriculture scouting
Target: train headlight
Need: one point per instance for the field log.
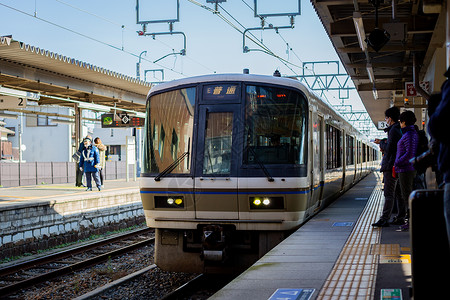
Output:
(266, 202)
(169, 202)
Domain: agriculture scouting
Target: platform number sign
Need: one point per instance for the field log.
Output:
(382, 125)
(12, 102)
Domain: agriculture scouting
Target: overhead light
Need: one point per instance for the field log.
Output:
(375, 93)
(360, 32)
(93, 106)
(19, 93)
(370, 73)
(8, 116)
(62, 121)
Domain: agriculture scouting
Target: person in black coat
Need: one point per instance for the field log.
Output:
(437, 127)
(76, 156)
(389, 148)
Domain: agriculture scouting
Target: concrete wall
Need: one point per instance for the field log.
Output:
(43, 224)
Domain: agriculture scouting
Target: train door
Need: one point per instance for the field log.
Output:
(316, 157)
(215, 189)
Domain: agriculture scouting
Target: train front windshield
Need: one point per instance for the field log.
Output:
(169, 130)
(274, 129)
(275, 126)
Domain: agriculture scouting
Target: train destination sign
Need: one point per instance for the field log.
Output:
(121, 121)
(221, 92)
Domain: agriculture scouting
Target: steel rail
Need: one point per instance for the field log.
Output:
(6, 290)
(79, 249)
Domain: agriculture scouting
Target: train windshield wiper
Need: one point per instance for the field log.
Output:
(261, 165)
(172, 166)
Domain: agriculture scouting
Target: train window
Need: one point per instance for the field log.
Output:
(218, 141)
(275, 126)
(350, 149)
(168, 130)
(334, 147)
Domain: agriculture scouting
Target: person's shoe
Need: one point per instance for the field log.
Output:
(99, 188)
(381, 223)
(89, 190)
(398, 221)
(404, 227)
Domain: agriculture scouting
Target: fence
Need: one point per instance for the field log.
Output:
(34, 173)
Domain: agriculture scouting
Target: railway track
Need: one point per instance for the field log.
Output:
(24, 275)
(201, 287)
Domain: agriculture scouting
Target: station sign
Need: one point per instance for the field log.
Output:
(12, 102)
(121, 121)
(410, 90)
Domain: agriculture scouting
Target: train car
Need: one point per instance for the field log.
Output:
(233, 163)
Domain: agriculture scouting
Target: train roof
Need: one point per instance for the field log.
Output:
(231, 77)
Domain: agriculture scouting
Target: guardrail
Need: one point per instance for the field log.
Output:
(35, 173)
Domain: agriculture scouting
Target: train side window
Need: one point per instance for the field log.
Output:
(334, 147)
(350, 149)
(275, 126)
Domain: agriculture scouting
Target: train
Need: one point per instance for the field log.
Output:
(233, 163)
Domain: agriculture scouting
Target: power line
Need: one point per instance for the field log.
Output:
(89, 37)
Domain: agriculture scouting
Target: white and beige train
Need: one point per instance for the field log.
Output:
(233, 163)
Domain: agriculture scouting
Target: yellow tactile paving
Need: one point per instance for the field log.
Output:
(355, 271)
(385, 249)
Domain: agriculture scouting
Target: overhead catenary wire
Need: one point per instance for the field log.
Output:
(89, 37)
(125, 29)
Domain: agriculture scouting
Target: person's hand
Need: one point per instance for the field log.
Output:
(377, 141)
(81, 169)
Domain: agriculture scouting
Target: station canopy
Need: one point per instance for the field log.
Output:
(61, 80)
(410, 32)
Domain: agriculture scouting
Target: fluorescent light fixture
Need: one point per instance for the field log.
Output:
(93, 106)
(62, 121)
(359, 27)
(375, 93)
(18, 93)
(139, 114)
(8, 116)
(370, 73)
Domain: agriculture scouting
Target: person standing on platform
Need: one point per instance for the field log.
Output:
(89, 160)
(437, 128)
(389, 148)
(102, 151)
(406, 150)
(77, 156)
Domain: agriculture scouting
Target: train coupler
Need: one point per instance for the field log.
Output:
(214, 243)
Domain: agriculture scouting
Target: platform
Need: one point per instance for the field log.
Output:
(336, 255)
(40, 216)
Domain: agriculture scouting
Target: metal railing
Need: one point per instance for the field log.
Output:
(35, 173)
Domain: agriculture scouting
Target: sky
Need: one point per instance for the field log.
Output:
(104, 33)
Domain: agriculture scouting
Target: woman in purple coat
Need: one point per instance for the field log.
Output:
(406, 150)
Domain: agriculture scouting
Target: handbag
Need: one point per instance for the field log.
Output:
(394, 174)
(76, 156)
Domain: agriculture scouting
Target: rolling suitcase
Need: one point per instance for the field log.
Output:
(430, 255)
